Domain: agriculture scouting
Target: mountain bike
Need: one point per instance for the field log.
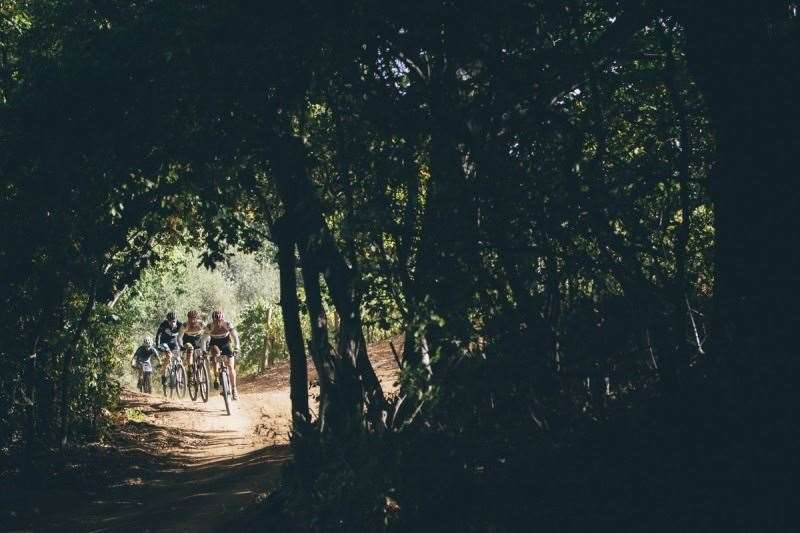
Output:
(198, 375)
(176, 376)
(145, 371)
(225, 382)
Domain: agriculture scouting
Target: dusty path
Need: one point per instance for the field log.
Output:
(172, 465)
(177, 465)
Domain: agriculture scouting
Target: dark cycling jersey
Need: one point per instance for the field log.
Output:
(143, 354)
(168, 335)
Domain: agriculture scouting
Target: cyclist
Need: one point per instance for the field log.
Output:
(168, 332)
(142, 354)
(221, 331)
(192, 335)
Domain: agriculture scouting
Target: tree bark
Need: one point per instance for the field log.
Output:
(288, 159)
(298, 371)
(331, 409)
(267, 341)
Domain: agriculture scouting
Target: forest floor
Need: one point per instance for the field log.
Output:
(169, 464)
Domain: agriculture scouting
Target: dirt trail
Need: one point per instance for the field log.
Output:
(173, 465)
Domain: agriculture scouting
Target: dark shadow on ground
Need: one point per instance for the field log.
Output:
(131, 484)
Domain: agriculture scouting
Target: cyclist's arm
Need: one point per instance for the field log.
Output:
(180, 335)
(205, 337)
(158, 335)
(235, 335)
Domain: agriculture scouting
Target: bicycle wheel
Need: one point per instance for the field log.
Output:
(173, 381)
(180, 381)
(193, 382)
(226, 390)
(164, 380)
(202, 381)
(147, 385)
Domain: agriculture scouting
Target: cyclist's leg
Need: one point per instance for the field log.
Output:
(187, 362)
(215, 368)
(232, 371)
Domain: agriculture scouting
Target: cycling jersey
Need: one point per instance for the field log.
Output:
(168, 335)
(144, 353)
(193, 333)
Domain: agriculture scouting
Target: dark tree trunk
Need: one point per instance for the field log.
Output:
(298, 371)
(303, 208)
(320, 349)
(746, 64)
(448, 248)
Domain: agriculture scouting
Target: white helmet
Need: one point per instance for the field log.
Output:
(147, 342)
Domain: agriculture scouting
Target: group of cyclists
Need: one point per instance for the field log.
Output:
(218, 338)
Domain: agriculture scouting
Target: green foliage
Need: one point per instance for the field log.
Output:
(261, 331)
(179, 283)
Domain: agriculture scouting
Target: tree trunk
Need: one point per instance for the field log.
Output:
(324, 361)
(298, 371)
(303, 208)
(267, 341)
(747, 68)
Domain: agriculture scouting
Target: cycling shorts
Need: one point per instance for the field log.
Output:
(224, 345)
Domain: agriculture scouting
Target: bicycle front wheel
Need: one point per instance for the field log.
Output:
(193, 372)
(202, 382)
(226, 390)
(180, 381)
(147, 386)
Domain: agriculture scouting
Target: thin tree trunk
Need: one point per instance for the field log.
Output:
(320, 348)
(267, 341)
(298, 371)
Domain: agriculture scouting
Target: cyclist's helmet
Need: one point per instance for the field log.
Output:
(192, 315)
(218, 316)
(147, 342)
(171, 316)
(188, 346)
